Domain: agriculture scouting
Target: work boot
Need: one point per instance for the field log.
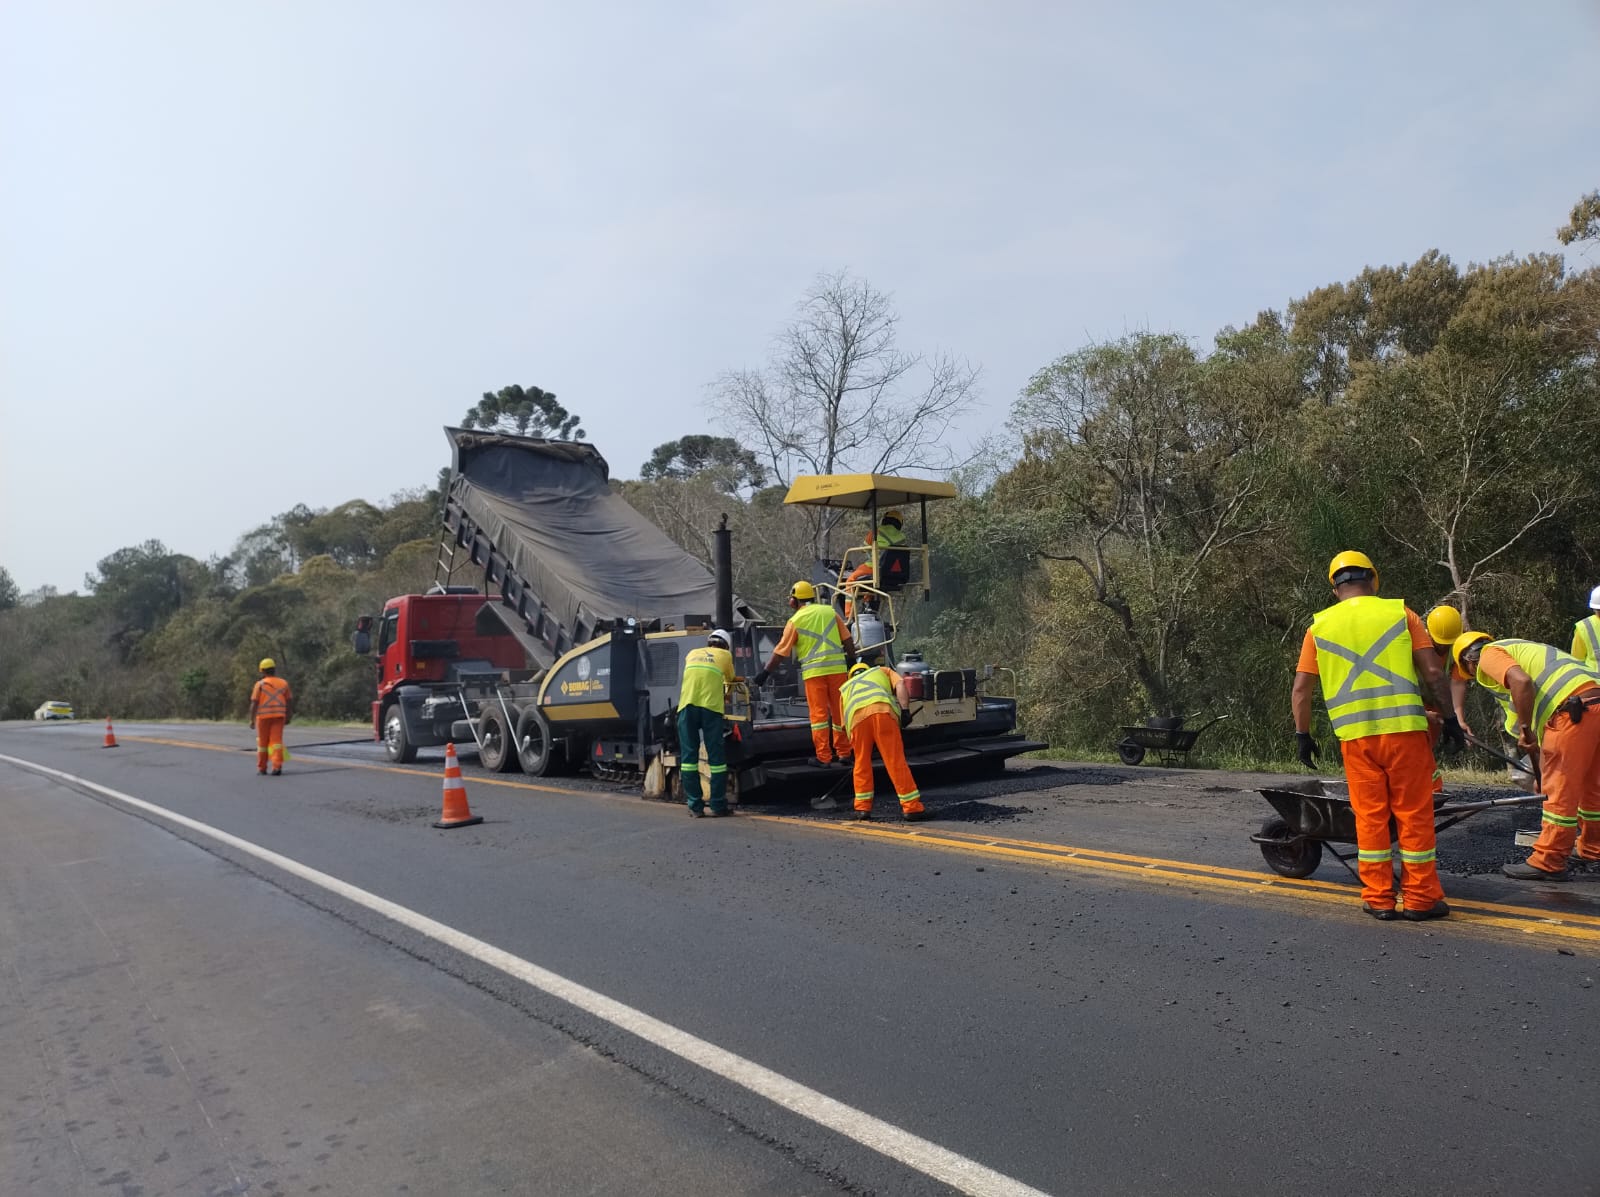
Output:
(277, 773)
(914, 816)
(718, 812)
(1383, 914)
(1438, 910)
(817, 762)
(695, 812)
(1526, 872)
(863, 816)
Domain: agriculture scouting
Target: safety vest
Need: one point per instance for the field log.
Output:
(704, 678)
(890, 537)
(272, 698)
(867, 689)
(1369, 681)
(1556, 676)
(818, 646)
(1587, 638)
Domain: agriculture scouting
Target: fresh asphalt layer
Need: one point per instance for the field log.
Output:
(1081, 978)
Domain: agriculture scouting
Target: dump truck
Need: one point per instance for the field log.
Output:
(554, 635)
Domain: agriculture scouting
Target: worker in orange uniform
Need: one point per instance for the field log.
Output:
(874, 696)
(1371, 656)
(826, 652)
(1586, 633)
(1444, 625)
(707, 674)
(888, 535)
(271, 708)
(1552, 705)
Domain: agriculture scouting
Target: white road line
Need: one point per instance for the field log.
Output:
(930, 1159)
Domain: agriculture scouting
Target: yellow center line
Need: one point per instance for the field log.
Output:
(1151, 869)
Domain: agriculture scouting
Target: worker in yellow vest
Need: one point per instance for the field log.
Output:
(1586, 633)
(825, 652)
(874, 696)
(1444, 624)
(1371, 656)
(707, 674)
(1551, 702)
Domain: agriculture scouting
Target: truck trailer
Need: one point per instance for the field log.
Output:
(554, 635)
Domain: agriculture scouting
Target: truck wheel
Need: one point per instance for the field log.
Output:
(396, 745)
(494, 742)
(534, 748)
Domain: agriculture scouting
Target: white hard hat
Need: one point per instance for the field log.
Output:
(720, 634)
(1594, 599)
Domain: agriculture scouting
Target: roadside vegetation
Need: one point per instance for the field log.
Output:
(1147, 536)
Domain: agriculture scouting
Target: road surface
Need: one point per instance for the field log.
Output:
(1075, 979)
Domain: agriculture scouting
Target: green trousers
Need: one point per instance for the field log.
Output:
(693, 723)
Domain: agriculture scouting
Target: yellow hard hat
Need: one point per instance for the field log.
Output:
(1350, 559)
(1465, 641)
(267, 663)
(803, 591)
(892, 516)
(1444, 625)
(859, 667)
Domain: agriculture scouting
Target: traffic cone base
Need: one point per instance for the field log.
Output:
(111, 736)
(456, 812)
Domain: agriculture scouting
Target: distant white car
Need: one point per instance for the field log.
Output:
(54, 710)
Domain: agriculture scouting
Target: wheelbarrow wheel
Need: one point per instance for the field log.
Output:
(1130, 752)
(1287, 853)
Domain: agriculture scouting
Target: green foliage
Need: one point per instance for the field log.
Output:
(526, 411)
(9, 594)
(730, 466)
(1584, 224)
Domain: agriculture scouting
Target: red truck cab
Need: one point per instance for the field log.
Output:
(422, 638)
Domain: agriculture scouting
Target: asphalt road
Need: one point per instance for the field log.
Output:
(1075, 979)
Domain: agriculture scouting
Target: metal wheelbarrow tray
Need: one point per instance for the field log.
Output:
(1171, 744)
(1316, 813)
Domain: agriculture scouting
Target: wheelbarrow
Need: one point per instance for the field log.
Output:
(1315, 813)
(1166, 737)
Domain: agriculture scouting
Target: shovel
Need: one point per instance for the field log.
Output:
(1519, 766)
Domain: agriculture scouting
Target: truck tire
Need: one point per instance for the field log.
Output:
(396, 745)
(496, 749)
(534, 747)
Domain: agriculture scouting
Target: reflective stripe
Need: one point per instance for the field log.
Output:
(1364, 660)
(913, 796)
(715, 769)
(821, 651)
(823, 726)
(1418, 857)
(1373, 857)
(1589, 816)
(272, 700)
(1559, 820)
(1556, 676)
(860, 797)
(869, 688)
(1589, 630)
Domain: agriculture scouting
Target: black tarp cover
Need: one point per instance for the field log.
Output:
(548, 506)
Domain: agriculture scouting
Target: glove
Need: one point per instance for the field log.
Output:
(761, 677)
(1451, 734)
(1306, 749)
(850, 657)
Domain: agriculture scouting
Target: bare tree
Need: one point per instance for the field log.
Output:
(840, 396)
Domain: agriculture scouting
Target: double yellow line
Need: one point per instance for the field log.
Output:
(1501, 919)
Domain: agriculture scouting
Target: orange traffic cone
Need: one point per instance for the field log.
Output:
(456, 811)
(111, 736)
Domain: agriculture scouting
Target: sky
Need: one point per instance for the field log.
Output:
(257, 254)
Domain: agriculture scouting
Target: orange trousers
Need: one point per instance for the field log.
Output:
(827, 717)
(1391, 778)
(881, 730)
(269, 742)
(1569, 757)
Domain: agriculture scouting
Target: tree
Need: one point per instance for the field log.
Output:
(1141, 467)
(10, 596)
(840, 395)
(1584, 224)
(525, 411)
(728, 464)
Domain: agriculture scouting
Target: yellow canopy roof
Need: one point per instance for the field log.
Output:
(859, 491)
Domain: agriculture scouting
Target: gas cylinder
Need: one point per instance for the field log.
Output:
(916, 673)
